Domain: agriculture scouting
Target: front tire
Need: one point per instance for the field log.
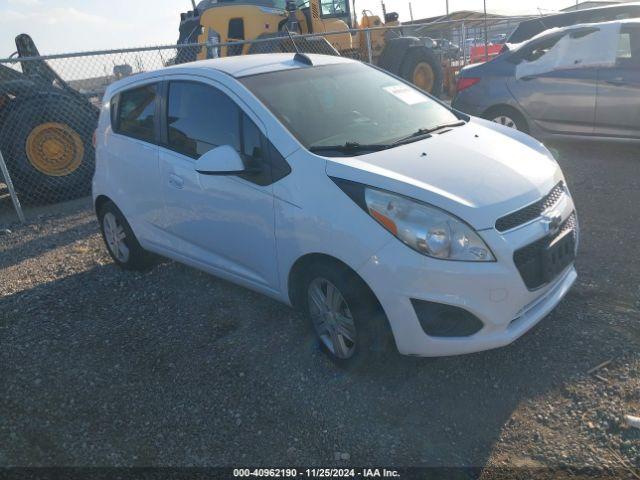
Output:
(121, 243)
(345, 314)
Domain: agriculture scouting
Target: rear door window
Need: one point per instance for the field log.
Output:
(136, 113)
(579, 48)
(540, 49)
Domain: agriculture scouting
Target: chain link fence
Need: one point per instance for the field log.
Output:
(49, 105)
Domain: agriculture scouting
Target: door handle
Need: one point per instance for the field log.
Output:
(176, 182)
(528, 78)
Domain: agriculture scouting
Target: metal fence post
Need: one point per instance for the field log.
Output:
(369, 50)
(12, 191)
(464, 44)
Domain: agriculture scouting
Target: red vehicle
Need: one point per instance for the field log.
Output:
(478, 53)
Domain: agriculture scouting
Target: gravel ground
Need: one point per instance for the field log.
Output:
(174, 367)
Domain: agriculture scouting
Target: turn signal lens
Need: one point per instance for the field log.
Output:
(385, 221)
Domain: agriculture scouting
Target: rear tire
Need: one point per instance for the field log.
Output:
(508, 117)
(121, 242)
(422, 68)
(47, 143)
(356, 318)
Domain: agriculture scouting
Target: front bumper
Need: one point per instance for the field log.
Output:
(494, 292)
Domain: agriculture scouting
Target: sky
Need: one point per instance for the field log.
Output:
(59, 26)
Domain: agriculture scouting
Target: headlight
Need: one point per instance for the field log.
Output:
(213, 39)
(426, 229)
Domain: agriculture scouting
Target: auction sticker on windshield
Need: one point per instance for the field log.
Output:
(406, 94)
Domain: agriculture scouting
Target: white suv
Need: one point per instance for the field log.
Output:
(337, 188)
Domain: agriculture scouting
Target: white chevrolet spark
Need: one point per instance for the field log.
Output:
(339, 189)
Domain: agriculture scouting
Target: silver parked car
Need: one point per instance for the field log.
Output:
(582, 80)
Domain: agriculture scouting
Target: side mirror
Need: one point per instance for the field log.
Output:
(223, 160)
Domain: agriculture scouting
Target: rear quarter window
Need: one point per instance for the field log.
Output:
(134, 114)
(628, 54)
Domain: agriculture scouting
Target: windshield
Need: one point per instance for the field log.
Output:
(346, 104)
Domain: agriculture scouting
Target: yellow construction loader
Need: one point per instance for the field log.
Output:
(228, 21)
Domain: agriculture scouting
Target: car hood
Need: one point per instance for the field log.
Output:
(479, 172)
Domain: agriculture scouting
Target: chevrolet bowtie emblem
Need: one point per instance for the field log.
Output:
(552, 222)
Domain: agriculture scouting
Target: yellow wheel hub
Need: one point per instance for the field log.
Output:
(423, 77)
(55, 149)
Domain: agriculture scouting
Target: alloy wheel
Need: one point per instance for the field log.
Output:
(506, 121)
(332, 318)
(115, 237)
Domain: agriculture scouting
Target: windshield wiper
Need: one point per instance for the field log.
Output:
(349, 147)
(425, 132)
(355, 147)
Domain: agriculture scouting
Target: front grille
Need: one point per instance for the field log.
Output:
(530, 212)
(530, 259)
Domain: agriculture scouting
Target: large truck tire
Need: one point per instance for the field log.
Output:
(4, 107)
(271, 43)
(46, 140)
(281, 43)
(318, 45)
(421, 67)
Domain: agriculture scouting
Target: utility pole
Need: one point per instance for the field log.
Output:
(384, 10)
(193, 2)
(447, 8)
(411, 11)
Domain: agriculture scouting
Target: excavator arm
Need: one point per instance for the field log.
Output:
(39, 71)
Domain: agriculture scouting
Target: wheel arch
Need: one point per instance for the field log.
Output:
(505, 107)
(302, 265)
(101, 201)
